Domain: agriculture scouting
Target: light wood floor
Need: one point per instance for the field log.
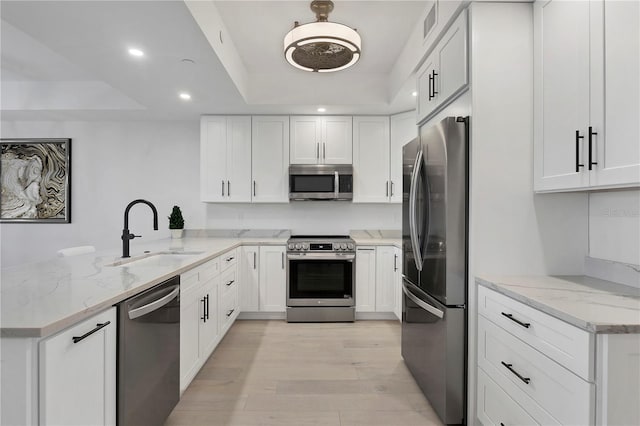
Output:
(275, 373)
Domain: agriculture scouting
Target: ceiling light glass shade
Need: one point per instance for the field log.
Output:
(322, 46)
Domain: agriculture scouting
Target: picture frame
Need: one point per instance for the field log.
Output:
(35, 180)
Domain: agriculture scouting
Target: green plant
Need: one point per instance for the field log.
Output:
(176, 221)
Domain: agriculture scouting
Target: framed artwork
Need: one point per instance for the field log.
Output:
(35, 180)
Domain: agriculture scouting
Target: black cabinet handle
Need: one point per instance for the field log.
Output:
(89, 333)
(204, 309)
(392, 188)
(229, 259)
(501, 424)
(435, 92)
(223, 188)
(509, 367)
(510, 316)
(578, 137)
(230, 282)
(228, 189)
(254, 188)
(591, 134)
(230, 312)
(395, 262)
(430, 84)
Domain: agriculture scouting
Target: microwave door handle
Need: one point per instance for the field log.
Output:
(336, 184)
(413, 194)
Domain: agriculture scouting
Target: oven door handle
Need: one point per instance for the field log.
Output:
(321, 256)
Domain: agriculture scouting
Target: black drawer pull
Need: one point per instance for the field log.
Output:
(524, 379)
(230, 312)
(524, 324)
(89, 333)
(230, 282)
(578, 164)
(229, 259)
(591, 134)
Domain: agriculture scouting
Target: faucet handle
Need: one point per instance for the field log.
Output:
(134, 236)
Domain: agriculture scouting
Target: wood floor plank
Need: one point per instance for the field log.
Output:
(334, 374)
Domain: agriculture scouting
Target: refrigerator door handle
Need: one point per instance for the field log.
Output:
(413, 194)
(421, 303)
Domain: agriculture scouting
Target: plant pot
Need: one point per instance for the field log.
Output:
(176, 233)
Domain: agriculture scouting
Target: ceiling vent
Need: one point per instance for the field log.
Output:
(322, 46)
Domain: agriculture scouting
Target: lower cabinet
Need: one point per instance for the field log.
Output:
(249, 278)
(77, 380)
(207, 294)
(273, 279)
(378, 276)
(536, 369)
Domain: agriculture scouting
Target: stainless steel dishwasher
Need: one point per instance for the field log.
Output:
(149, 355)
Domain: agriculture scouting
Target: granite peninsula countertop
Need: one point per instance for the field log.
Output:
(592, 304)
(40, 299)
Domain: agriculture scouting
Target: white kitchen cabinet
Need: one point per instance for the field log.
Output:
(397, 266)
(321, 140)
(587, 97)
(249, 291)
(371, 141)
(536, 369)
(198, 318)
(273, 278)
(270, 159)
(403, 130)
(225, 159)
(386, 272)
(444, 74)
(365, 279)
(77, 381)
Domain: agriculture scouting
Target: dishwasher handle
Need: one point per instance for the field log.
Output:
(156, 304)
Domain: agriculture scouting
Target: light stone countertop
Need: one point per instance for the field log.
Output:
(40, 299)
(591, 304)
(377, 237)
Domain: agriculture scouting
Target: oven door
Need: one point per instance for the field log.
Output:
(318, 279)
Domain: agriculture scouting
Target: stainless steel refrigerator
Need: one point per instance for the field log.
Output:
(435, 259)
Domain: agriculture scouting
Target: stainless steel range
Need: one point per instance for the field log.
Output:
(321, 278)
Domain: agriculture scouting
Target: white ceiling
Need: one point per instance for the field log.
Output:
(68, 60)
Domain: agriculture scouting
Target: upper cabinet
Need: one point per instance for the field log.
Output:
(444, 74)
(587, 97)
(371, 183)
(225, 159)
(321, 140)
(403, 131)
(270, 159)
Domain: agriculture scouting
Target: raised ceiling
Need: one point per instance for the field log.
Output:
(68, 59)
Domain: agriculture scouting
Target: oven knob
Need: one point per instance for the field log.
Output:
(291, 246)
(335, 246)
(343, 246)
(298, 246)
(350, 246)
(305, 246)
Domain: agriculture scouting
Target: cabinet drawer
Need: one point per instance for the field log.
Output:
(229, 310)
(562, 342)
(228, 282)
(200, 274)
(496, 407)
(228, 259)
(533, 377)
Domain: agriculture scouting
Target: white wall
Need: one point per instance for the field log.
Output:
(114, 163)
(614, 226)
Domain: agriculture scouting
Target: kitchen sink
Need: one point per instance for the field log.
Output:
(156, 258)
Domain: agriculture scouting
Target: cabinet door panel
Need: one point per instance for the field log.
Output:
(213, 158)
(452, 60)
(385, 279)
(616, 92)
(365, 279)
(78, 380)
(336, 140)
(305, 139)
(239, 159)
(273, 279)
(208, 330)
(426, 100)
(249, 278)
(270, 159)
(371, 160)
(191, 310)
(403, 130)
(562, 92)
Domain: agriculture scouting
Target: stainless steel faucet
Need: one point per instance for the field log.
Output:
(126, 235)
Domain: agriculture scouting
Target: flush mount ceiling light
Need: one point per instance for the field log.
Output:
(322, 46)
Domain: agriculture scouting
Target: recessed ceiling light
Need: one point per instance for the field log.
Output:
(414, 94)
(136, 52)
(185, 96)
(321, 109)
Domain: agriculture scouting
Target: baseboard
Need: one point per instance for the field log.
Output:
(261, 316)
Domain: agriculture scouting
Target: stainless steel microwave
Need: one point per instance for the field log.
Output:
(320, 182)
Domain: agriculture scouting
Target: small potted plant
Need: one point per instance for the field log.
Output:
(176, 222)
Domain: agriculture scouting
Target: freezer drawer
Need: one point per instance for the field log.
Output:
(434, 350)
